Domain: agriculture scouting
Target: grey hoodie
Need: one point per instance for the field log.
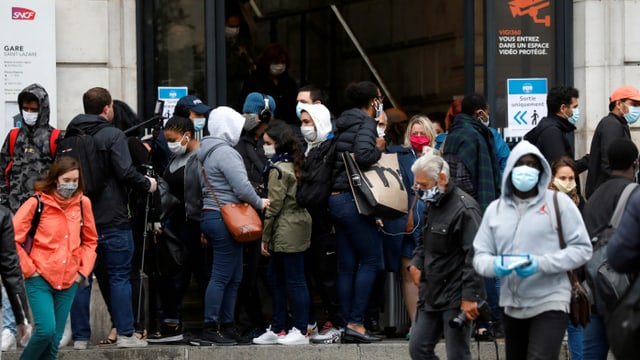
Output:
(223, 165)
(504, 230)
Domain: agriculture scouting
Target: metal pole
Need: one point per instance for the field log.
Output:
(469, 48)
(364, 56)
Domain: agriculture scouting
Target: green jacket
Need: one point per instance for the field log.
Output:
(287, 227)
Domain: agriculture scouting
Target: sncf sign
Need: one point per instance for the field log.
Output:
(18, 13)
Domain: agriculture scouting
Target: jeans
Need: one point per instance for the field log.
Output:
(81, 314)
(8, 319)
(50, 308)
(359, 256)
(286, 275)
(539, 337)
(595, 343)
(427, 331)
(115, 252)
(575, 341)
(226, 272)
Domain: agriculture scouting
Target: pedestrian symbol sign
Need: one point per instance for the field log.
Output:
(527, 104)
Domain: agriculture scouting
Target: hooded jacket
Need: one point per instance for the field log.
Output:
(110, 206)
(322, 122)
(222, 164)
(32, 153)
(504, 230)
(550, 137)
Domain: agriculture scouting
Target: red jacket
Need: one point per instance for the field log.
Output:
(57, 254)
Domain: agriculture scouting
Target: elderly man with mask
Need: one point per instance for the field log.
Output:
(442, 264)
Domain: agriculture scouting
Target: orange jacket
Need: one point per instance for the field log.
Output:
(57, 253)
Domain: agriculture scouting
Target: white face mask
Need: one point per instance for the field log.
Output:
(380, 131)
(277, 69)
(269, 150)
(308, 132)
(177, 148)
(230, 32)
(30, 118)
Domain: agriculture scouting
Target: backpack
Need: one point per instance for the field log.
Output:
(623, 325)
(80, 145)
(604, 285)
(13, 135)
(316, 181)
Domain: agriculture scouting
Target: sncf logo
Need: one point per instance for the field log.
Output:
(18, 13)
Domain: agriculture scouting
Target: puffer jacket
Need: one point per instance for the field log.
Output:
(32, 154)
(10, 270)
(287, 227)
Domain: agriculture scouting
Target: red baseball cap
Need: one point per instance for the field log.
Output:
(625, 92)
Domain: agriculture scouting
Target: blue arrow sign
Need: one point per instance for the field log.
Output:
(522, 117)
(518, 117)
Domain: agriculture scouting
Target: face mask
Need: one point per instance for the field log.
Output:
(299, 109)
(573, 119)
(30, 118)
(380, 131)
(418, 142)
(564, 186)
(177, 148)
(277, 69)
(485, 122)
(524, 178)
(632, 116)
(198, 123)
(379, 110)
(430, 195)
(308, 132)
(269, 150)
(250, 121)
(230, 32)
(67, 189)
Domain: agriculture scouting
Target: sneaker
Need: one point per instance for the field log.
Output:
(66, 335)
(80, 344)
(294, 337)
(328, 335)
(213, 336)
(130, 341)
(269, 337)
(231, 331)
(8, 340)
(167, 334)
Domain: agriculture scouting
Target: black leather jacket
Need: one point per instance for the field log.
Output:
(10, 268)
(192, 192)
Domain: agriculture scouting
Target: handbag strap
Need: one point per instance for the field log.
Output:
(413, 205)
(571, 273)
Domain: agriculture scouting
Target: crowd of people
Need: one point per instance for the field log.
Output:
(477, 254)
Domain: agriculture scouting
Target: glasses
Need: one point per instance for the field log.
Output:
(380, 98)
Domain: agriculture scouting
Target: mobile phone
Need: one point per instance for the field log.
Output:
(512, 261)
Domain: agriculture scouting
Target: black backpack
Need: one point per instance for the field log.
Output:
(604, 285)
(80, 145)
(315, 184)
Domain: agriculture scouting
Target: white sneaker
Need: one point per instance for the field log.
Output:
(294, 337)
(66, 335)
(80, 345)
(8, 340)
(328, 335)
(131, 341)
(269, 337)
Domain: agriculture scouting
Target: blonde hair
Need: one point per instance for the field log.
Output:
(428, 129)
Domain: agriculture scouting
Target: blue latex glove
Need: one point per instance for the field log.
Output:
(529, 269)
(501, 271)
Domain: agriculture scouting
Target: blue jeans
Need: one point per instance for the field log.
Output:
(80, 313)
(575, 340)
(360, 258)
(50, 308)
(427, 331)
(115, 252)
(226, 272)
(8, 319)
(595, 343)
(286, 272)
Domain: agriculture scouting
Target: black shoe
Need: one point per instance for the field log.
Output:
(231, 331)
(352, 336)
(372, 325)
(167, 334)
(213, 336)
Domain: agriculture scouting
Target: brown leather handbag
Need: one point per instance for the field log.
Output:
(580, 309)
(242, 220)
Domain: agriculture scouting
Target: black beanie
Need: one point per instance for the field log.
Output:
(622, 153)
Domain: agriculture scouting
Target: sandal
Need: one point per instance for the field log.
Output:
(111, 339)
(141, 334)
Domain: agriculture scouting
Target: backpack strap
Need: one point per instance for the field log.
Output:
(622, 203)
(53, 142)
(13, 135)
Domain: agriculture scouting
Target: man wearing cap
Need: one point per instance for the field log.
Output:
(624, 110)
(192, 107)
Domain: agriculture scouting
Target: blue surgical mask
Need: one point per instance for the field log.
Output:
(198, 123)
(575, 117)
(524, 178)
(299, 109)
(633, 115)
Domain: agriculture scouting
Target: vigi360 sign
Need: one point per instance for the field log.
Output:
(527, 104)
